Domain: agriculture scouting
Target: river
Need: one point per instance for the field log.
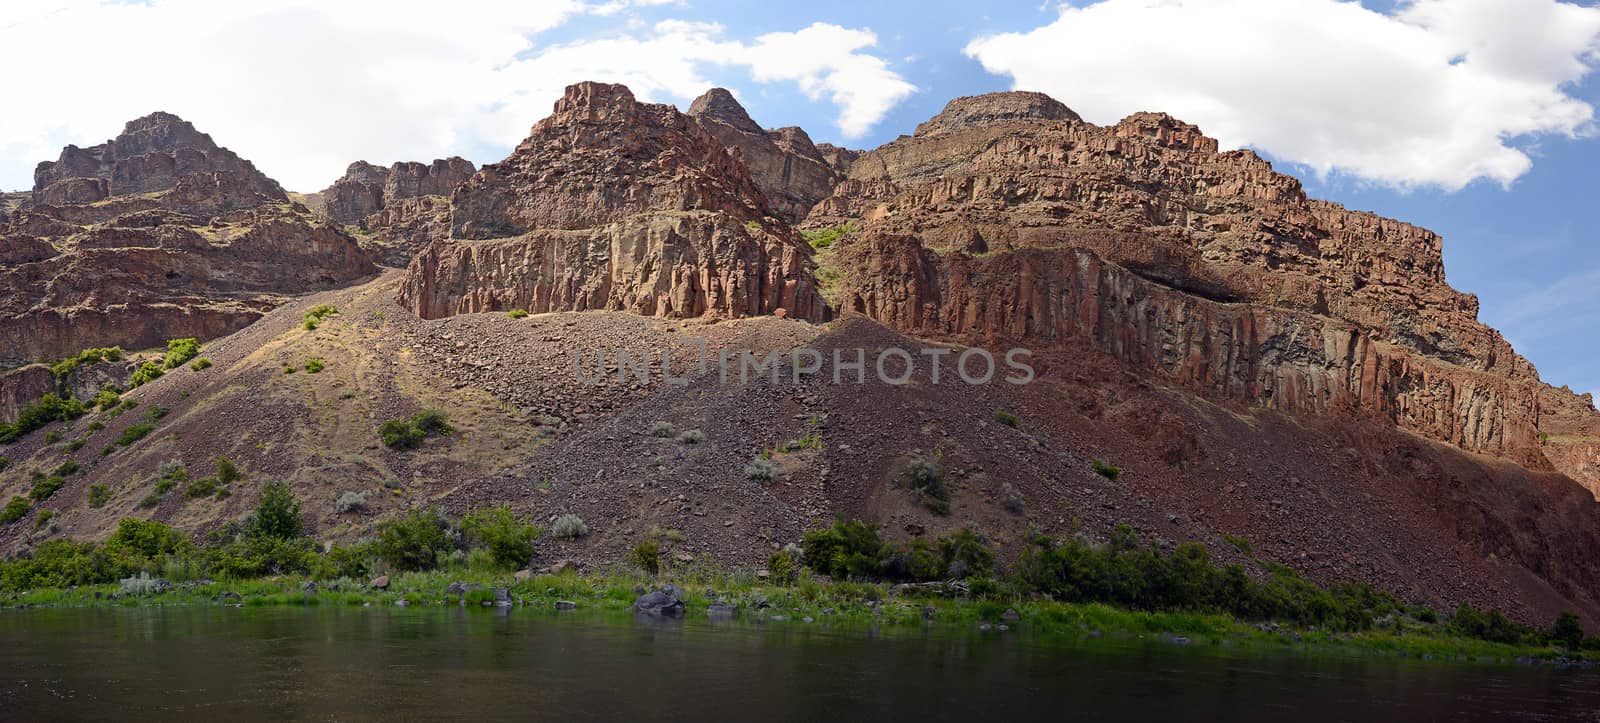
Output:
(321, 663)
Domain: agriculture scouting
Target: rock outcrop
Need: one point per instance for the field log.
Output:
(792, 172)
(1008, 217)
(395, 211)
(158, 233)
(614, 204)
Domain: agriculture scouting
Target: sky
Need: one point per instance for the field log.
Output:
(1473, 118)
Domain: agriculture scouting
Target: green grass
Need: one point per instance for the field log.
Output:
(852, 606)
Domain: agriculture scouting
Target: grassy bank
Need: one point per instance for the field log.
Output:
(837, 605)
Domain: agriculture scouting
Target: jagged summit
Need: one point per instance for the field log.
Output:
(980, 110)
(154, 153)
(719, 104)
(792, 172)
(155, 234)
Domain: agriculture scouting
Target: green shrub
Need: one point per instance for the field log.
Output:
(314, 365)
(44, 487)
(1487, 625)
(203, 487)
(180, 351)
(401, 434)
(156, 412)
(277, 514)
(508, 540)
(150, 500)
(784, 566)
(823, 238)
(692, 436)
(569, 527)
(350, 502)
(4, 463)
(170, 474)
(200, 364)
(966, 554)
(146, 373)
(1567, 631)
(408, 434)
(926, 480)
(146, 538)
(647, 556)
(413, 541)
(43, 519)
(1006, 418)
(1105, 470)
(106, 399)
(227, 472)
(134, 433)
(517, 314)
(315, 316)
(661, 429)
(52, 436)
(844, 549)
(14, 510)
(74, 445)
(342, 561)
(99, 495)
(66, 469)
(432, 421)
(760, 470)
(49, 408)
(66, 366)
(1239, 543)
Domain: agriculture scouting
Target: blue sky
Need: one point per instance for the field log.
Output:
(1469, 117)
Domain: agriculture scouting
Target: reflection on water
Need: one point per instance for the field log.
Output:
(354, 664)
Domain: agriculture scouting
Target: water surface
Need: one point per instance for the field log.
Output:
(431, 664)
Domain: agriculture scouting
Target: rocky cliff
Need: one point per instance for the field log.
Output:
(1008, 217)
(398, 210)
(155, 234)
(792, 172)
(614, 204)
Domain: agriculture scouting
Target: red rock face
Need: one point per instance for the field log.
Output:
(1008, 217)
(614, 204)
(399, 209)
(791, 171)
(156, 234)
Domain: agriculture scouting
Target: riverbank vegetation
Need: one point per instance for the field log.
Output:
(844, 573)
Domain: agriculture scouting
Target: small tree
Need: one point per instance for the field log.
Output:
(1567, 631)
(412, 542)
(277, 514)
(508, 540)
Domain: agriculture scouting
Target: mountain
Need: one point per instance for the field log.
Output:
(1261, 367)
(613, 204)
(396, 210)
(158, 233)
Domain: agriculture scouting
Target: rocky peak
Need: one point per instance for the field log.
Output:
(159, 132)
(719, 104)
(157, 153)
(599, 156)
(593, 102)
(1166, 131)
(366, 188)
(791, 171)
(979, 110)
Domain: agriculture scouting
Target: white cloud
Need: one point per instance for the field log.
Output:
(303, 87)
(1436, 93)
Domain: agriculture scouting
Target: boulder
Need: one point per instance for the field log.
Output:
(661, 603)
(380, 582)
